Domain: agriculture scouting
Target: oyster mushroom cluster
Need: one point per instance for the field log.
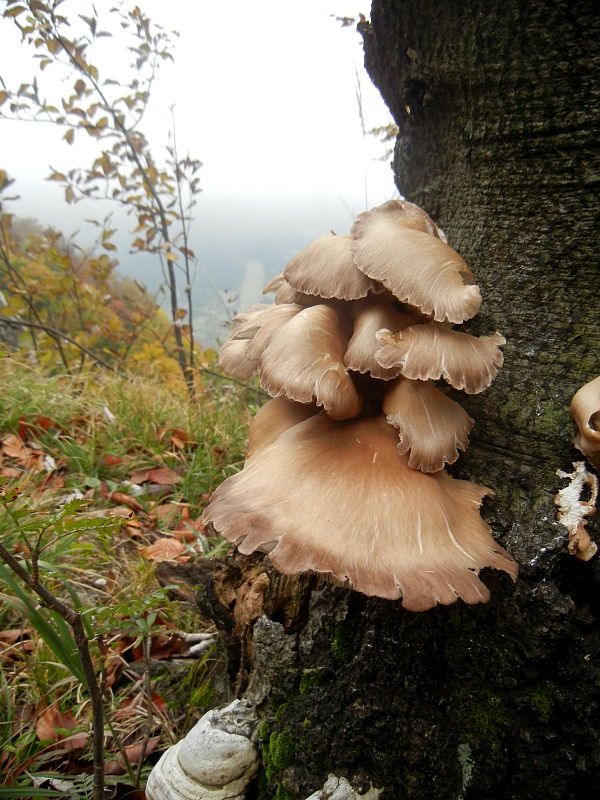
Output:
(345, 468)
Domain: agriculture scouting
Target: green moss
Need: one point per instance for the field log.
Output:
(282, 794)
(485, 716)
(281, 750)
(342, 643)
(263, 731)
(310, 678)
(544, 698)
(202, 698)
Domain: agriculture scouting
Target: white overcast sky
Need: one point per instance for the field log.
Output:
(264, 95)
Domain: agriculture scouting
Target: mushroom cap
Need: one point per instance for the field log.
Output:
(233, 360)
(253, 331)
(304, 361)
(434, 350)
(432, 427)
(272, 419)
(338, 497)
(585, 409)
(419, 268)
(370, 315)
(325, 268)
(285, 294)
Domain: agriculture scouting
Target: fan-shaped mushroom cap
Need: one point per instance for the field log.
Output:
(358, 511)
(254, 328)
(233, 361)
(432, 426)
(433, 351)
(325, 268)
(417, 267)
(285, 294)
(304, 361)
(272, 419)
(585, 408)
(370, 315)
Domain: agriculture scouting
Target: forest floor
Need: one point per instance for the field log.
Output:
(102, 477)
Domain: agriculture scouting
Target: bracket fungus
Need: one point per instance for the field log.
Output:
(345, 472)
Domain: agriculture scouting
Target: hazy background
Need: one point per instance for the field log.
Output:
(265, 95)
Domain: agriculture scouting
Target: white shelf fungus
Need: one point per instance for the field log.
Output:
(215, 761)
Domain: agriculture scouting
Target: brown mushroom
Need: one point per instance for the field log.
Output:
(305, 361)
(253, 330)
(432, 427)
(370, 315)
(338, 497)
(435, 350)
(325, 268)
(285, 294)
(272, 419)
(417, 267)
(585, 408)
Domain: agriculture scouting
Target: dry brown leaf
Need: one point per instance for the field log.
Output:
(185, 531)
(117, 511)
(166, 512)
(12, 635)
(52, 718)
(164, 549)
(14, 447)
(110, 460)
(164, 475)
(11, 472)
(133, 753)
(125, 499)
(31, 428)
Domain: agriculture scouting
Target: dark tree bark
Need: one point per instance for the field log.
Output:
(497, 104)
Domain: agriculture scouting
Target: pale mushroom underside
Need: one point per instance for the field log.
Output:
(418, 268)
(338, 497)
(434, 350)
(370, 315)
(431, 426)
(585, 409)
(304, 362)
(252, 333)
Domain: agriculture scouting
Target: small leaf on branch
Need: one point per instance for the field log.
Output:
(69, 136)
(14, 11)
(108, 246)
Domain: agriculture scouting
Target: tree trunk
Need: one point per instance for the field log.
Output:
(495, 106)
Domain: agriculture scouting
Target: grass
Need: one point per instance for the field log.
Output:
(87, 436)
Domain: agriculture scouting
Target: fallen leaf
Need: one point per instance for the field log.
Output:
(125, 791)
(52, 719)
(167, 512)
(30, 428)
(110, 460)
(164, 475)
(185, 531)
(164, 549)
(125, 500)
(14, 447)
(133, 753)
(117, 511)
(12, 635)
(11, 472)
